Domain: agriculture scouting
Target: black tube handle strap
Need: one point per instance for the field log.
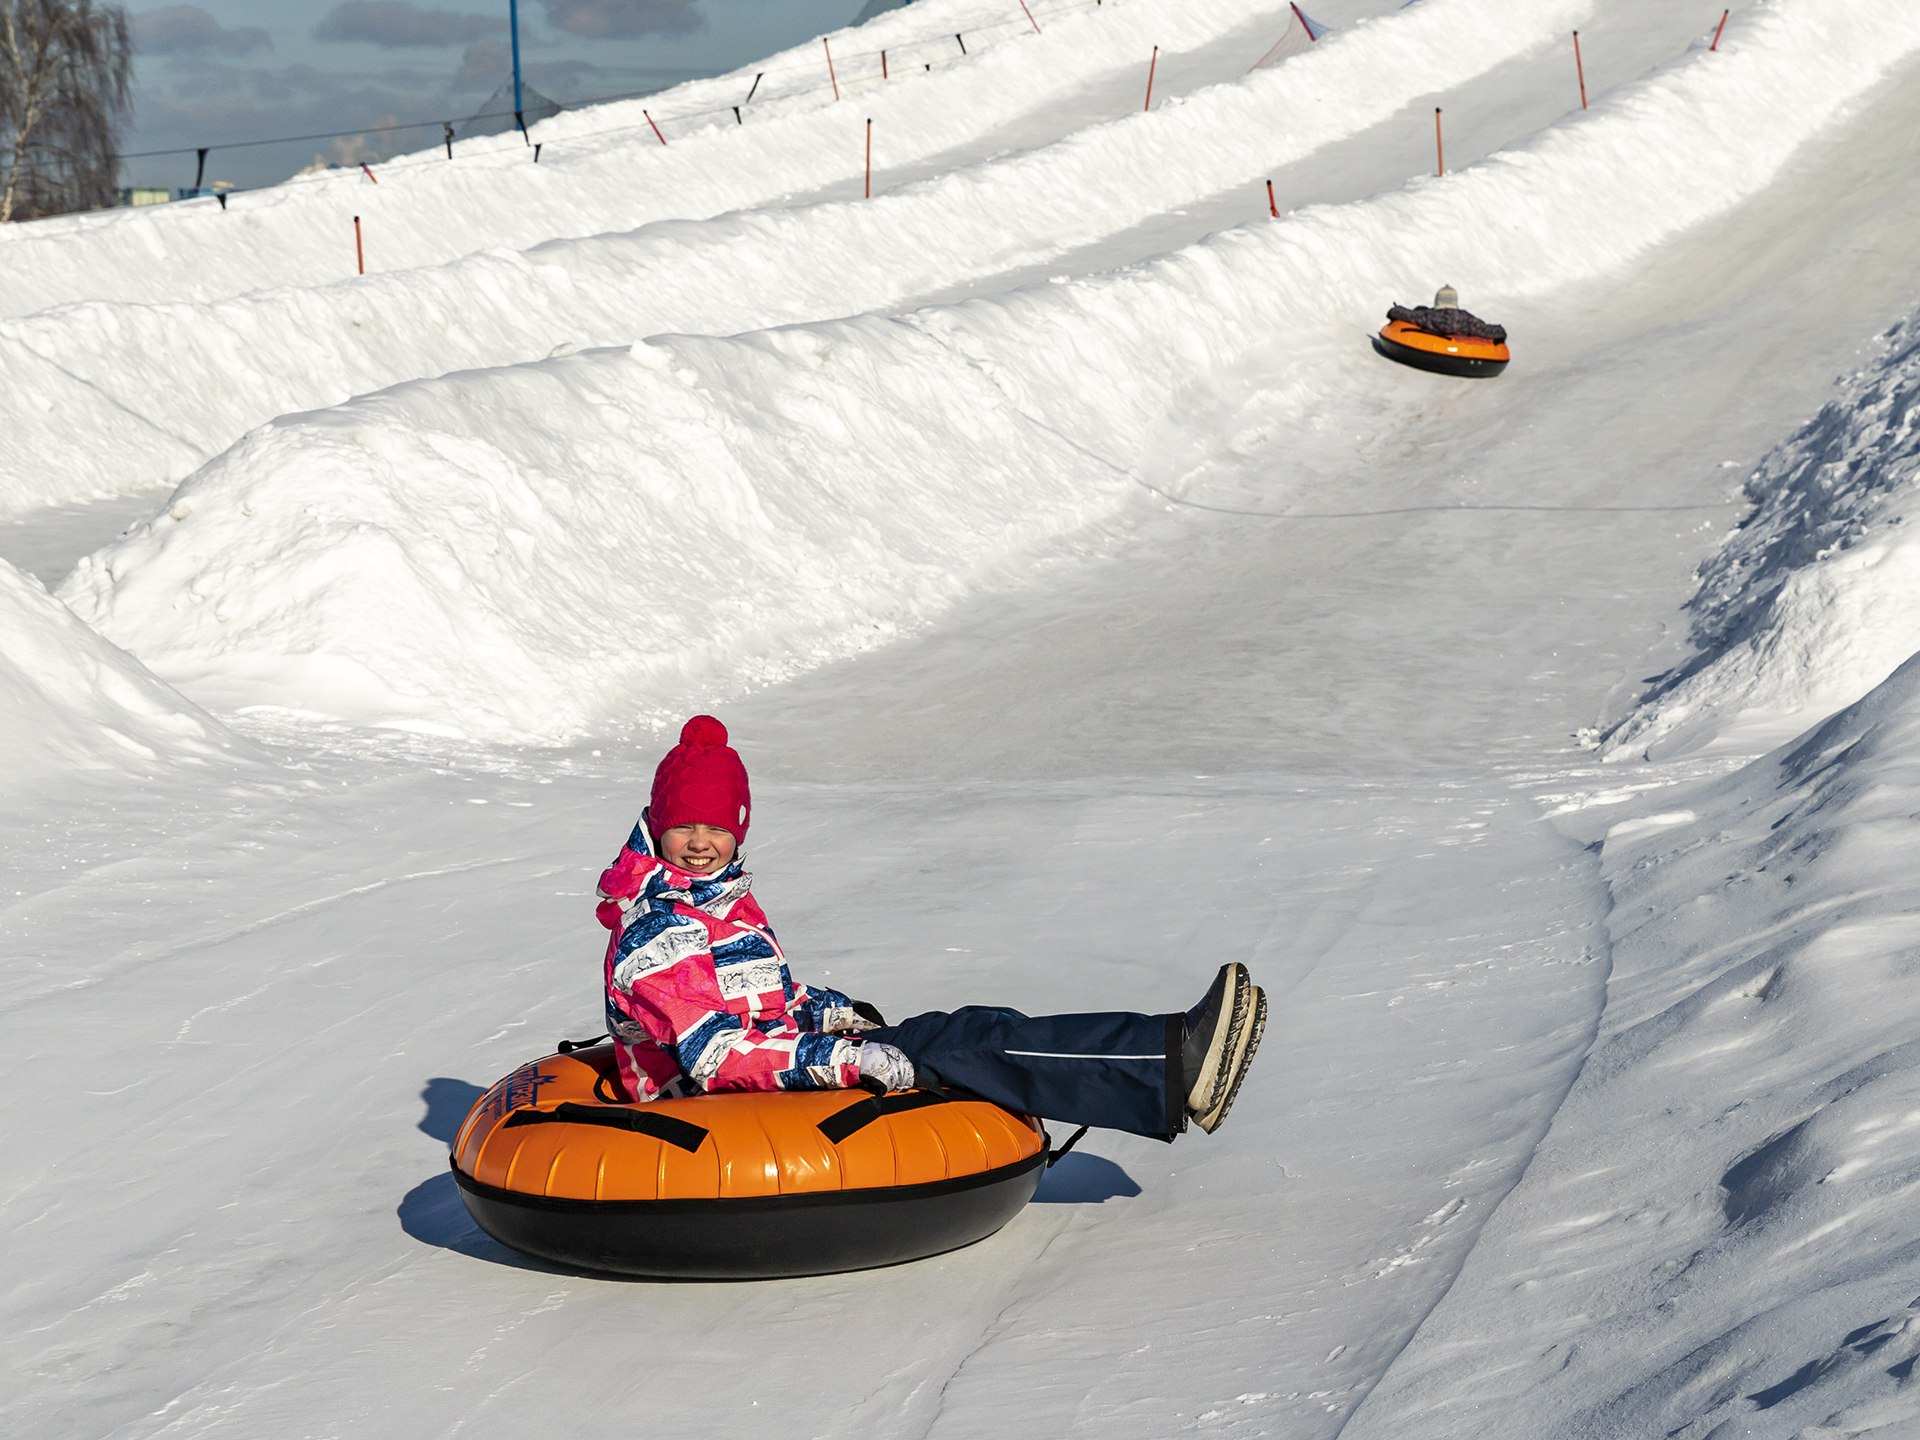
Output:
(687, 1136)
(1053, 1156)
(845, 1123)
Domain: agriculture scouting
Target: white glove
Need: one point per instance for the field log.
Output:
(845, 1020)
(886, 1064)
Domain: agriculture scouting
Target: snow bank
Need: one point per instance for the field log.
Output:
(115, 397)
(70, 702)
(525, 551)
(1816, 597)
(1718, 1235)
(601, 168)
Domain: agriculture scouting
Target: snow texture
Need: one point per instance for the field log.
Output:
(1716, 1237)
(1122, 625)
(1812, 601)
(463, 554)
(601, 168)
(99, 406)
(72, 704)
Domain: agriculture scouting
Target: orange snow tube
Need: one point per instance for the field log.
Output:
(552, 1161)
(1442, 354)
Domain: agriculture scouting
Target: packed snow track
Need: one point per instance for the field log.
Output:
(1091, 606)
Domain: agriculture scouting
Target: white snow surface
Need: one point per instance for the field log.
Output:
(601, 167)
(1814, 599)
(1079, 637)
(1742, 1260)
(464, 553)
(73, 704)
(102, 407)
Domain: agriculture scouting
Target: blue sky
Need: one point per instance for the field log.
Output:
(230, 70)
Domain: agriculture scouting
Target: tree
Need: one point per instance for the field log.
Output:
(66, 70)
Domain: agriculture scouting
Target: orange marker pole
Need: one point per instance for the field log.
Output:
(1150, 68)
(359, 251)
(883, 65)
(370, 175)
(1439, 149)
(869, 157)
(1718, 28)
(656, 129)
(1270, 205)
(1030, 20)
(830, 75)
(1579, 69)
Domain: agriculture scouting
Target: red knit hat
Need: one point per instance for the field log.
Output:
(701, 782)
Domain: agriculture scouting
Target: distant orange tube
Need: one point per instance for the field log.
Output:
(1442, 354)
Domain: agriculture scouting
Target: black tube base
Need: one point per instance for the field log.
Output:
(759, 1238)
(1463, 365)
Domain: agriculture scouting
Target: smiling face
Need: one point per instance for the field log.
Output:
(702, 849)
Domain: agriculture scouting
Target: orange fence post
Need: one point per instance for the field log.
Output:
(830, 75)
(1439, 149)
(1150, 68)
(1579, 69)
(359, 252)
(1030, 20)
(883, 65)
(656, 129)
(1718, 28)
(1270, 205)
(869, 157)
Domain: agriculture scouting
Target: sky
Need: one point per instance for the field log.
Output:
(254, 69)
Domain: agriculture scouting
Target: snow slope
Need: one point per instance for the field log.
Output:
(71, 704)
(1306, 712)
(1813, 600)
(601, 168)
(864, 472)
(124, 395)
(1717, 1235)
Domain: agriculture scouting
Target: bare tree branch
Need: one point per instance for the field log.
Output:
(66, 71)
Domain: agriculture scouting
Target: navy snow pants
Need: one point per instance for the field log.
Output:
(1112, 1071)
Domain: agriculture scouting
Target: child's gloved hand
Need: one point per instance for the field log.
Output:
(886, 1064)
(846, 1020)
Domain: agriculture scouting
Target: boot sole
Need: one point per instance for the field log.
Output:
(1216, 1070)
(1242, 1063)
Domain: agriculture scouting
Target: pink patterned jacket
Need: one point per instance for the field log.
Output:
(699, 997)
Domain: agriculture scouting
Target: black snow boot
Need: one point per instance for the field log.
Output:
(1221, 1034)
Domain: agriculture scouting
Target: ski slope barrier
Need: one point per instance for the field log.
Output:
(70, 702)
(531, 551)
(1815, 599)
(112, 397)
(602, 168)
(1716, 1236)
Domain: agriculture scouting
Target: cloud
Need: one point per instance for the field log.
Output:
(483, 66)
(619, 19)
(189, 30)
(396, 24)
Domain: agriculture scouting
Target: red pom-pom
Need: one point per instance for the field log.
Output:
(704, 731)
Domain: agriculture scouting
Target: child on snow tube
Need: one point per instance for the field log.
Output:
(1445, 318)
(700, 1000)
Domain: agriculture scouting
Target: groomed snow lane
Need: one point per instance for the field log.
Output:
(256, 1233)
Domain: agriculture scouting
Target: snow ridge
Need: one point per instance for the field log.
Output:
(71, 704)
(1812, 601)
(529, 552)
(602, 169)
(1716, 1237)
(107, 410)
